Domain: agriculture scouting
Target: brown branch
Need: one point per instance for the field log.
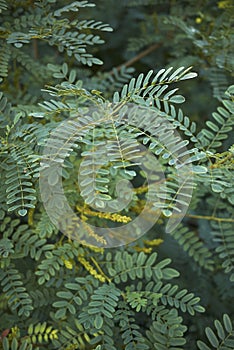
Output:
(35, 49)
(211, 218)
(138, 57)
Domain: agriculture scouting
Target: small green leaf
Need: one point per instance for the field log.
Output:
(177, 99)
(216, 188)
(199, 169)
(167, 212)
(212, 337)
(98, 321)
(22, 212)
(189, 76)
(202, 346)
(18, 45)
(227, 323)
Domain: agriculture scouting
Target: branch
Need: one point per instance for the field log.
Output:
(213, 218)
(138, 57)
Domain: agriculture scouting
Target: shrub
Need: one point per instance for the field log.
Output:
(95, 263)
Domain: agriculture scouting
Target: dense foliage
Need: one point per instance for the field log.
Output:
(74, 73)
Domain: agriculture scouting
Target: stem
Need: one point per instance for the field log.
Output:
(100, 270)
(213, 218)
(139, 56)
(35, 49)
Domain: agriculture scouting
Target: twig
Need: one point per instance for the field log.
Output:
(212, 218)
(35, 49)
(138, 57)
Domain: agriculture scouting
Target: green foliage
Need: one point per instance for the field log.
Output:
(218, 130)
(224, 235)
(167, 332)
(224, 338)
(18, 298)
(107, 125)
(15, 345)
